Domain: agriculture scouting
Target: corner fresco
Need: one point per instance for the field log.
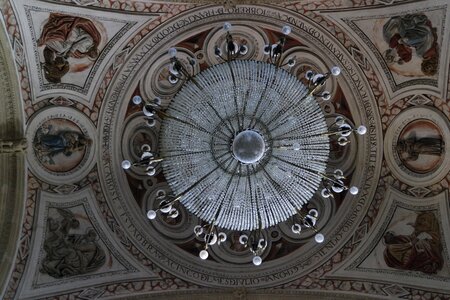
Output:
(412, 40)
(418, 247)
(412, 241)
(68, 253)
(68, 44)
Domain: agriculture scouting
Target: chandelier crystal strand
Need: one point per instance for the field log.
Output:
(244, 145)
(224, 101)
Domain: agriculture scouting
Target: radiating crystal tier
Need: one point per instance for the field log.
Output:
(244, 145)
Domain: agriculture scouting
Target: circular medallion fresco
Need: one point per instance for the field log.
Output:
(420, 146)
(60, 145)
(229, 266)
(416, 148)
(62, 148)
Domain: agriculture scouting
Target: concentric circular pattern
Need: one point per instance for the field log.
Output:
(229, 182)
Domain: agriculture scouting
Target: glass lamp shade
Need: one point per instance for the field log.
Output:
(257, 260)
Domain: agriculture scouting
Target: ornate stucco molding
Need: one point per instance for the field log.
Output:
(12, 158)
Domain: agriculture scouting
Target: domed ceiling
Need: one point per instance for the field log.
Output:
(74, 223)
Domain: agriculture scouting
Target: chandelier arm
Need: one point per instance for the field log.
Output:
(325, 176)
(293, 89)
(244, 106)
(196, 183)
(230, 129)
(282, 112)
(313, 113)
(289, 147)
(219, 208)
(184, 154)
(251, 197)
(165, 115)
(281, 43)
(263, 94)
(316, 86)
(235, 96)
(298, 166)
(217, 130)
(281, 189)
(268, 105)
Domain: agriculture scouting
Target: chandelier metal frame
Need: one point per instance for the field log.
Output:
(244, 145)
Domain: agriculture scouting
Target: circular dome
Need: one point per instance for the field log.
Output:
(228, 145)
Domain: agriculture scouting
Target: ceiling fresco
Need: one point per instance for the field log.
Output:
(74, 222)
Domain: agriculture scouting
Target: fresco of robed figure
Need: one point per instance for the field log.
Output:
(412, 35)
(68, 39)
(419, 251)
(60, 145)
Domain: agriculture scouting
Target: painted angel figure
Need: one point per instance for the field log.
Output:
(66, 37)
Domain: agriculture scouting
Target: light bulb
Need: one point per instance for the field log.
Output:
(172, 79)
(173, 213)
(151, 171)
(203, 254)
(326, 96)
(286, 30)
(172, 70)
(319, 238)
(243, 49)
(137, 100)
(222, 237)
(166, 209)
(257, 260)
(291, 62)
(148, 110)
(309, 74)
(126, 164)
(296, 228)
(151, 214)
(172, 52)
(226, 26)
(335, 71)
(325, 193)
(361, 130)
(243, 239)
(354, 190)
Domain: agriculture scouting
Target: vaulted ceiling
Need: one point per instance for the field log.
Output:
(73, 223)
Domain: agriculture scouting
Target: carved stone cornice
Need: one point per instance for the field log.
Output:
(12, 158)
(13, 146)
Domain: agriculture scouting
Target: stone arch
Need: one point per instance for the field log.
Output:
(12, 158)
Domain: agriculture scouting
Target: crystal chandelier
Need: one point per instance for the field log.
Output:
(244, 145)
